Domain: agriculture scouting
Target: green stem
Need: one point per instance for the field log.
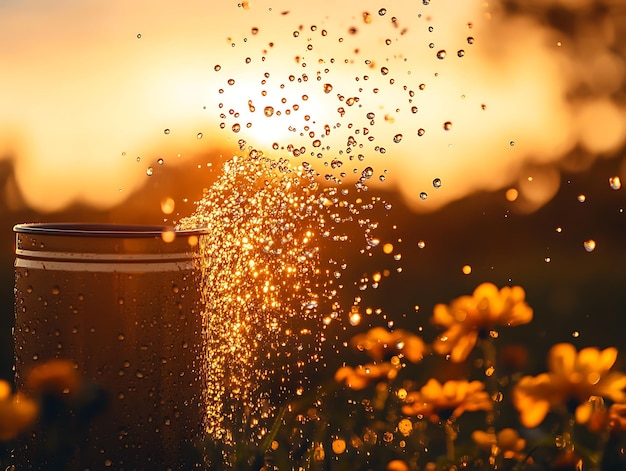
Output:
(450, 439)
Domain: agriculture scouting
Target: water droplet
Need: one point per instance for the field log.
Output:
(367, 173)
(160, 161)
(166, 131)
(615, 183)
(447, 125)
(581, 198)
(268, 111)
(317, 143)
(199, 135)
(373, 242)
(512, 143)
(149, 171)
(423, 195)
(441, 54)
(139, 36)
(56, 290)
(397, 138)
(217, 67)
(328, 88)
(421, 131)
(236, 127)
(589, 245)
(382, 11)
(460, 53)
(437, 182)
(414, 109)
(470, 40)
(421, 244)
(384, 70)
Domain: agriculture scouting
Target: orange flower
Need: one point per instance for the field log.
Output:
(56, 376)
(507, 440)
(379, 343)
(455, 396)
(466, 316)
(363, 375)
(16, 412)
(573, 375)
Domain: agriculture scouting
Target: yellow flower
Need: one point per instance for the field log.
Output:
(573, 376)
(485, 309)
(56, 377)
(361, 376)
(507, 440)
(16, 412)
(452, 396)
(379, 343)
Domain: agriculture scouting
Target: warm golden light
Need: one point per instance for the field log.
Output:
(465, 95)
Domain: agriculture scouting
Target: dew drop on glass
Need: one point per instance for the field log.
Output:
(441, 54)
(437, 182)
(589, 245)
(615, 183)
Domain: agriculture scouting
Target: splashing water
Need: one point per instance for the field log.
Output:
(262, 287)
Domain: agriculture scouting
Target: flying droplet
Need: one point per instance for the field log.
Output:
(460, 53)
(423, 195)
(414, 109)
(160, 161)
(368, 172)
(217, 68)
(166, 131)
(470, 40)
(615, 183)
(441, 54)
(421, 244)
(512, 143)
(581, 198)
(236, 127)
(437, 182)
(589, 245)
(420, 132)
(397, 138)
(382, 11)
(384, 70)
(447, 125)
(328, 88)
(268, 111)
(149, 171)
(199, 135)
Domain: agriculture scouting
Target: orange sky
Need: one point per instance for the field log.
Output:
(86, 95)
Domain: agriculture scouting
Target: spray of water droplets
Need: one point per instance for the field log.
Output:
(262, 286)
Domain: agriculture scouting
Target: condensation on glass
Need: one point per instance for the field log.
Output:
(123, 305)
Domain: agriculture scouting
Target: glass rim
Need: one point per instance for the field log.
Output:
(112, 230)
